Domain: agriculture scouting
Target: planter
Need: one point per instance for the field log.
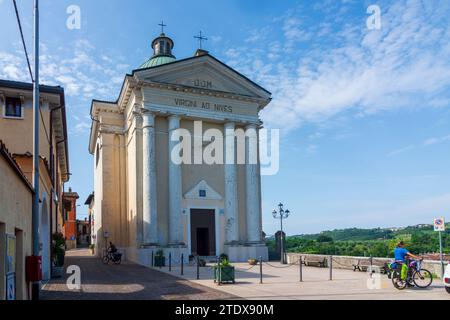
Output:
(59, 261)
(160, 261)
(252, 262)
(57, 272)
(224, 274)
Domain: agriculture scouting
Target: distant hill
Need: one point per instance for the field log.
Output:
(357, 234)
(377, 242)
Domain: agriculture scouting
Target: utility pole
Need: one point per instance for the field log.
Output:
(35, 212)
(441, 255)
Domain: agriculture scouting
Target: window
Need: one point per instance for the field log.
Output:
(97, 155)
(202, 193)
(13, 108)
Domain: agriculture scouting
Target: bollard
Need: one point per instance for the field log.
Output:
(219, 275)
(198, 268)
(170, 261)
(330, 262)
(301, 268)
(153, 262)
(182, 264)
(260, 270)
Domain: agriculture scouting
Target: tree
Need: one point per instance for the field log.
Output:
(324, 238)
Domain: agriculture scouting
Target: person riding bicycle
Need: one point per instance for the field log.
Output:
(112, 248)
(402, 255)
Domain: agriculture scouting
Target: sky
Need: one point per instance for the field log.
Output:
(364, 113)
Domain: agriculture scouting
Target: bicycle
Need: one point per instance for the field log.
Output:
(411, 273)
(115, 257)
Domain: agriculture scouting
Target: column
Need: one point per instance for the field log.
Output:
(231, 196)
(150, 217)
(175, 187)
(252, 182)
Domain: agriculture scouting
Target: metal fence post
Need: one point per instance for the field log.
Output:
(153, 261)
(198, 268)
(301, 268)
(170, 261)
(182, 264)
(330, 263)
(260, 270)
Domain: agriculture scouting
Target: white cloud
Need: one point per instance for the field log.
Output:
(401, 150)
(403, 65)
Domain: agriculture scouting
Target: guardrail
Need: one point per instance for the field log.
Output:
(348, 262)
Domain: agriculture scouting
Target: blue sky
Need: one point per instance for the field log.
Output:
(364, 114)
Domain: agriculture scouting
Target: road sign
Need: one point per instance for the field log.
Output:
(439, 225)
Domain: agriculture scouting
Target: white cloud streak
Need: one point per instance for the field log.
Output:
(403, 65)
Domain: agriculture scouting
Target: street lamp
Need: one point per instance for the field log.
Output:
(281, 214)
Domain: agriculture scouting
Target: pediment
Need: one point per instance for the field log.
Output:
(203, 191)
(206, 73)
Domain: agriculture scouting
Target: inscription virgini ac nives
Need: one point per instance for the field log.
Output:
(203, 105)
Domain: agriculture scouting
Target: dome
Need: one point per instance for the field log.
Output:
(157, 61)
(162, 52)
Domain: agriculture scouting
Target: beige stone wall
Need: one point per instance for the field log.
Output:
(15, 215)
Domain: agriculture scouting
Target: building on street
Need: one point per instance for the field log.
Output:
(145, 201)
(70, 222)
(16, 121)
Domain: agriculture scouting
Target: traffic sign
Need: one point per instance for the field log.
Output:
(439, 224)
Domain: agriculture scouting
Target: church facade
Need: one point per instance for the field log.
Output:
(145, 200)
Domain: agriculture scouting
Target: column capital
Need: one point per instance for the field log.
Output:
(174, 117)
(148, 117)
(174, 122)
(251, 126)
(229, 125)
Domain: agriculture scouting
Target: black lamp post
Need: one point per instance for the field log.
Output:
(281, 214)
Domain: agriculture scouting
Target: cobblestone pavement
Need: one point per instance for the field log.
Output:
(127, 281)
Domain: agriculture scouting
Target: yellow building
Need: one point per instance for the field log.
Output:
(144, 200)
(16, 123)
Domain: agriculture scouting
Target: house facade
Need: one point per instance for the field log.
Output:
(16, 134)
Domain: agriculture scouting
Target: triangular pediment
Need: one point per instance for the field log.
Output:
(206, 73)
(202, 191)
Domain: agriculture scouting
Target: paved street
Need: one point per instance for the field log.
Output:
(125, 281)
(282, 282)
(131, 281)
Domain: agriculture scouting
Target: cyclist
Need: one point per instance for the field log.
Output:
(401, 255)
(112, 248)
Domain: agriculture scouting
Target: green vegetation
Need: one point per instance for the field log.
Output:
(366, 242)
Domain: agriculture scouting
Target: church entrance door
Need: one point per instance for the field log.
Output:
(203, 234)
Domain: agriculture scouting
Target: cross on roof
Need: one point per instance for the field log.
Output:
(162, 25)
(200, 39)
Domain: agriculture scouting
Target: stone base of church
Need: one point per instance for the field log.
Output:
(241, 253)
(143, 255)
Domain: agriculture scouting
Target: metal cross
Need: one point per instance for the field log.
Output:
(200, 39)
(162, 25)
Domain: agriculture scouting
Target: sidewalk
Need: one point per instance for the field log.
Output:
(127, 281)
(282, 282)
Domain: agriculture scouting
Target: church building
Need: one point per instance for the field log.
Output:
(144, 200)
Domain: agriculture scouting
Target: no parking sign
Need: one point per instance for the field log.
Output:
(439, 224)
